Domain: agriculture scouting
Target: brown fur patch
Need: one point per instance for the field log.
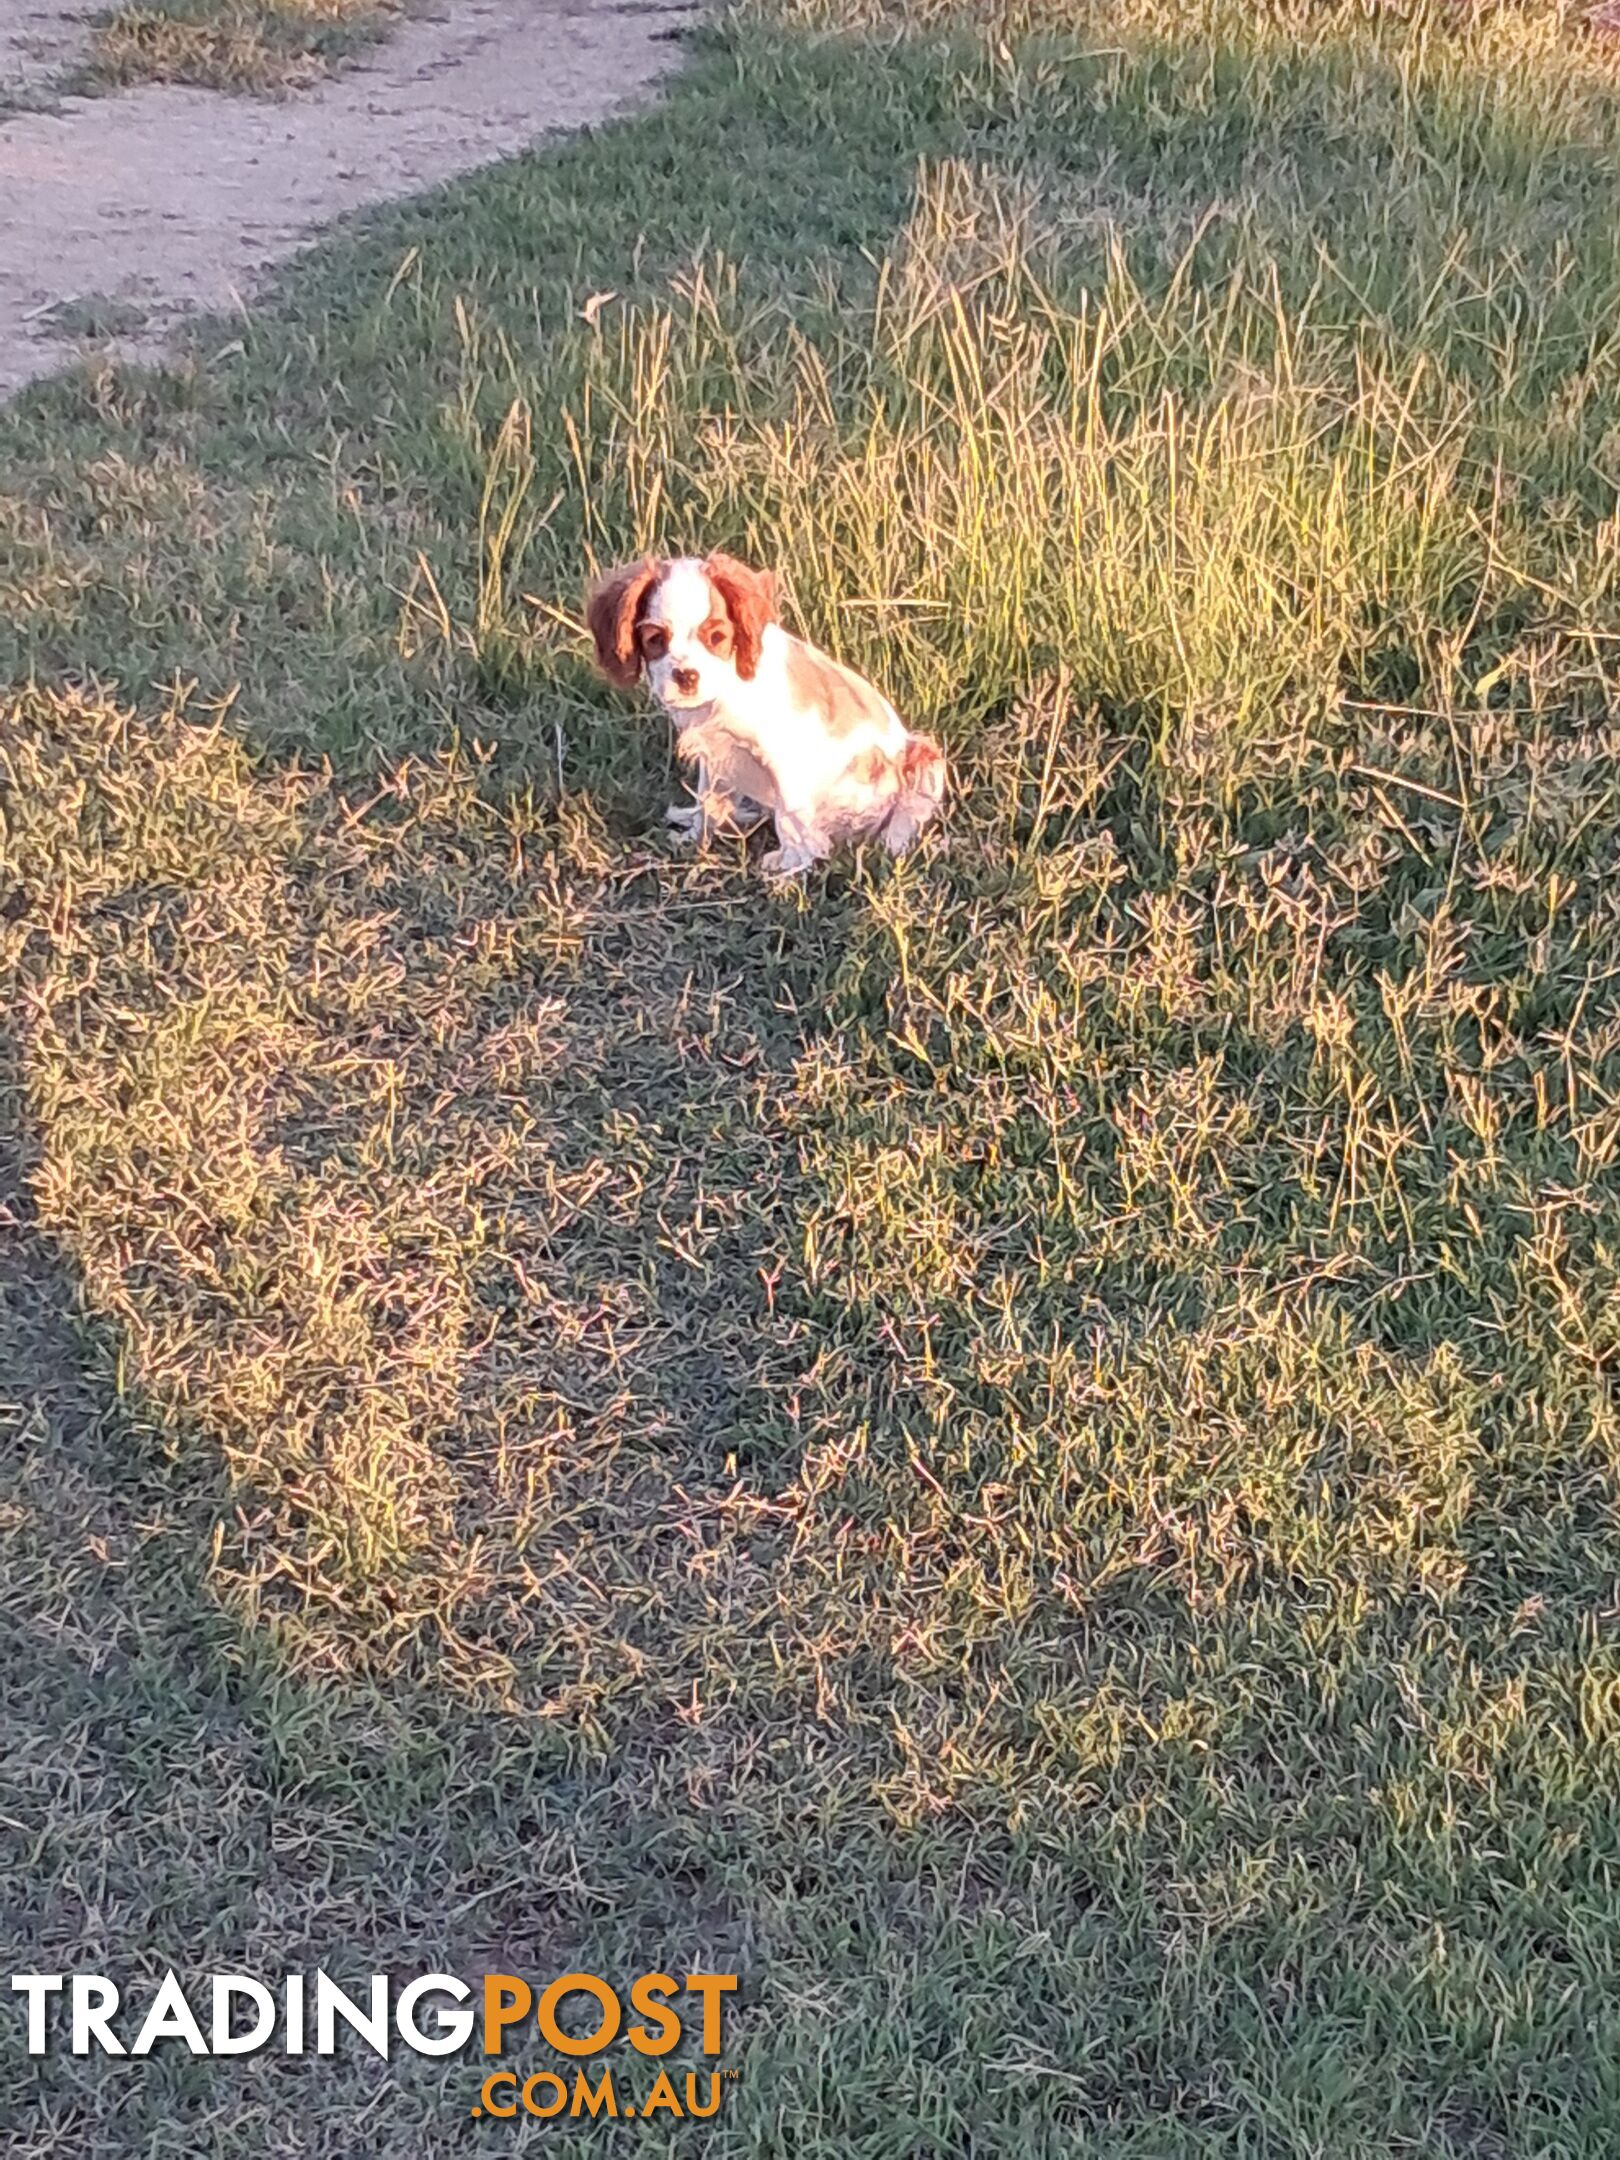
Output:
(871, 768)
(748, 598)
(612, 612)
(922, 768)
(818, 684)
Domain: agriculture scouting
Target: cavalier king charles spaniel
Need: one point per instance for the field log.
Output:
(774, 727)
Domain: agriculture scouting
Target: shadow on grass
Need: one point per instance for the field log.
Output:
(997, 1447)
(197, 1792)
(869, 1564)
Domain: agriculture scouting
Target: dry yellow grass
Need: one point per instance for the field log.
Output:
(247, 45)
(1026, 1442)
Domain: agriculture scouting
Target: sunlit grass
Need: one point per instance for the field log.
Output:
(1022, 1445)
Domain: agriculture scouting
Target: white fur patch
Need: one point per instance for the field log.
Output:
(686, 675)
(683, 597)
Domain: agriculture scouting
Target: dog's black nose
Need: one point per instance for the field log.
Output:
(684, 679)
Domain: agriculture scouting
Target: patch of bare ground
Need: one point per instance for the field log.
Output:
(168, 200)
(38, 39)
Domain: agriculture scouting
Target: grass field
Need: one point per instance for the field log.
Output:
(1021, 1449)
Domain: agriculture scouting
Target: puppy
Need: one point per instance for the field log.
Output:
(774, 727)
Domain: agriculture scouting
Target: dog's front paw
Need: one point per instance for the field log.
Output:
(787, 862)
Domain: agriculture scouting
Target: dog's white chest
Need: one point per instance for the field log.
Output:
(779, 717)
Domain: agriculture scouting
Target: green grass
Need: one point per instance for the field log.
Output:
(265, 46)
(1020, 1448)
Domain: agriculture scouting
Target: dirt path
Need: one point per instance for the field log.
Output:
(38, 38)
(166, 200)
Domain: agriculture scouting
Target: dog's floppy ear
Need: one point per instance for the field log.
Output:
(749, 598)
(611, 609)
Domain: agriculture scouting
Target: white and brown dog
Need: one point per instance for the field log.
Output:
(771, 724)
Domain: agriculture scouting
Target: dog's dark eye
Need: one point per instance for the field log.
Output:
(714, 636)
(654, 642)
